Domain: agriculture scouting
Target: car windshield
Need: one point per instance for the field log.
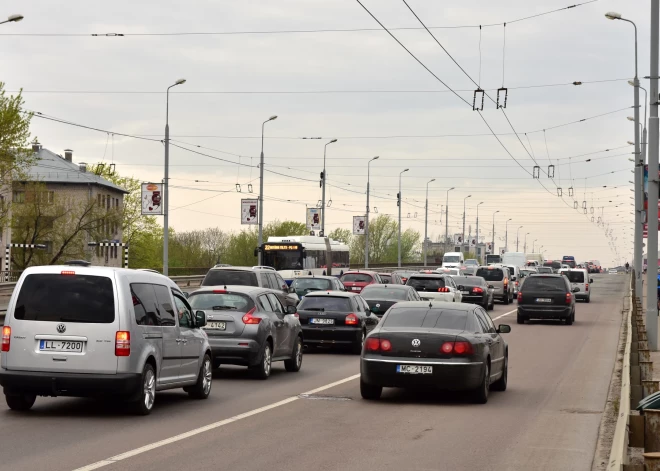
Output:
(451, 258)
(311, 284)
(418, 317)
(469, 280)
(544, 270)
(230, 277)
(325, 303)
(574, 276)
(526, 272)
(426, 284)
(356, 278)
(545, 283)
(471, 262)
(381, 292)
(209, 301)
(491, 274)
(386, 278)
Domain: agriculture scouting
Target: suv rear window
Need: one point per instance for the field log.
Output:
(491, 274)
(383, 292)
(356, 278)
(545, 283)
(51, 297)
(230, 277)
(416, 317)
(574, 276)
(325, 303)
(220, 301)
(426, 284)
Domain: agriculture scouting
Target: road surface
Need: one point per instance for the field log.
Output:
(548, 419)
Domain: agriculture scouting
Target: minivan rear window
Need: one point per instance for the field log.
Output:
(356, 278)
(574, 276)
(491, 274)
(230, 277)
(51, 297)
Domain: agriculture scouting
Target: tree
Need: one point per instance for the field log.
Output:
(383, 242)
(342, 235)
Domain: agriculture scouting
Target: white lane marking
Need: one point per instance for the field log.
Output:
(505, 314)
(206, 428)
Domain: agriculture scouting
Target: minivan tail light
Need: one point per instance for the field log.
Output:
(519, 296)
(6, 338)
(67, 272)
(569, 296)
(219, 291)
(586, 286)
(122, 343)
(351, 319)
(249, 318)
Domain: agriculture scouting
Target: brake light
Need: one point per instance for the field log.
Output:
(477, 290)
(506, 282)
(443, 290)
(351, 319)
(67, 272)
(586, 286)
(249, 319)
(219, 291)
(516, 284)
(519, 296)
(6, 338)
(374, 345)
(569, 297)
(122, 343)
(461, 347)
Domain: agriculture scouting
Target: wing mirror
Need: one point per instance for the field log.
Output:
(292, 289)
(591, 280)
(186, 294)
(576, 290)
(503, 329)
(291, 310)
(200, 318)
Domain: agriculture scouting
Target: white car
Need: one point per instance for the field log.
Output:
(435, 287)
(612, 271)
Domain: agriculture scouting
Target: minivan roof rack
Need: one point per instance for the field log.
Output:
(78, 263)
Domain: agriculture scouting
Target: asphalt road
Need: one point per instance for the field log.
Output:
(548, 418)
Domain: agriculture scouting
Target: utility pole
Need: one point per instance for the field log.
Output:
(477, 249)
(399, 202)
(324, 177)
(260, 208)
(366, 221)
(447, 219)
(463, 233)
(506, 235)
(426, 220)
(652, 241)
(518, 237)
(494, 230)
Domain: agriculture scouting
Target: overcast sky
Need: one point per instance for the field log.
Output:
(382, 103)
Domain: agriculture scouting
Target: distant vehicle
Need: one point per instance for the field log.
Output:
(547, 297)
(440, 346)
(356, 280)
(514, 259)
(391, 278)
(493, 258)
(435, 287)
(579, 277)
(468, 270)
(595, 266)
(514, 274)
(545, 270)
(452, 260)
(553, 264)
(404, 275)
(476, 290)
(448, 271)
(569, 260)
(471, 262)
(612, 271)
(382, 297)
(249, 326)
(498, 277)
(534, 257)
(304, 285)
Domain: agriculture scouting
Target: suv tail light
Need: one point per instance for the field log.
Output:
(443, 290)
(569, 297)
(519, 296)
(374, 344)
(351, 319)
(460, 347)
(586, 286)
(248, 318)
(122, 343)
(6, 338)
(477, 290)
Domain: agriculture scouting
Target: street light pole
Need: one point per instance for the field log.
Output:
(426, 220)
(506, 234)
(260, 209)
(366, 221)
(518, 237)
(166, 180)
(324, 177)
(533, 251)
(400, 204)
(463, 234)
(478, 225)
(447, 219)
(12, 19)
(494, 230)
(525, 248)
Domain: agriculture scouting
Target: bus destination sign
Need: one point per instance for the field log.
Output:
(269, 247)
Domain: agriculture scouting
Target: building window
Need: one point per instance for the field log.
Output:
(18, 196)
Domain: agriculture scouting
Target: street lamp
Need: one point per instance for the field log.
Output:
(494, 230)
(12, 19)
(400, 202)
(447, 218)
(533, 245)
(506, 234)
(525, 248)
(366, 222)
(426, 219)
(518, 237)
(260, 209)
(463, 235)
(166, 180)
(323, 179)
(477, 245)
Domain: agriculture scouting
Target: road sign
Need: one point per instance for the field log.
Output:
(249, 211)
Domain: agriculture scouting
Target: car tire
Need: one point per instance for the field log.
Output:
(520, 318)
(146, 396)
(216, 364)
(506, 298)
(369, 391)
(500, 384)
(357, 346)
(492, 304)
(295, 362)
(480, 395)
(569, 320)
(202, 387)
(20, 402)
(262, 369)
(588, 299)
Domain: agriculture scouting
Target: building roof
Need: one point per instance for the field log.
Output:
(51, 168)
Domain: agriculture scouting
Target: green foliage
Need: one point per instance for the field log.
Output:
(342, 235)
(383, 242)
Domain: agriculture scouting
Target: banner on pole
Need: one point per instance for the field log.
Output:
(313, 219)
(152, 197)
(358, 225)
(458, 239)
(473, 242)
(249, 211)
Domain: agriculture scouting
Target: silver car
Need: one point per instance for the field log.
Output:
(101, 331)
(498, 277)
(250, 326)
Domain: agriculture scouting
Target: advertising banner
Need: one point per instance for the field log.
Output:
(458, 239)
(152, 199)
(358, 225)
(473, 242)
(249, 211)
(314, 219)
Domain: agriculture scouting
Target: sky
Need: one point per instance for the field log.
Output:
(296, 59)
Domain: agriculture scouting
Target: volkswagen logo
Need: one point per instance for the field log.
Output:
(61, 328)
(416, 343)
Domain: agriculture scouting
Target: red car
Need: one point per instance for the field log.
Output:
(355, 281)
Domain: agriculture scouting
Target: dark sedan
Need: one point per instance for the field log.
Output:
(306, 284)
(382, 297)
(475, 290)
(435, 345)
(335, 318)
(547, 297)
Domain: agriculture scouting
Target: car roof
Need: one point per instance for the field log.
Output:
(428, 275)
(368, 272)
(546, 275)
(130, 274)
(435, 305)
(388, 286)
(318, 277)
(336, 294)
(242, 269)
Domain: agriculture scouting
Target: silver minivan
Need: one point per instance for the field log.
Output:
(101, 331)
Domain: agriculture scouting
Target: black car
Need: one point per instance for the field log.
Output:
(393, 278)
(437, 345)
(335, 318)
(382, 297)
(475, 290)
(546, 297)
(306, 284)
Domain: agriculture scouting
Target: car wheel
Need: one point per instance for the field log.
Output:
(521, 319)
(357, 346)
(481, 393)
(369, 391)
(588, 299)
(569, 320)
(295, 362)
(492, 304)
(262, 369)
(202, 387)
(500, 384)
(506, 298)
(20, 402)
(147, 393)
(216, 364)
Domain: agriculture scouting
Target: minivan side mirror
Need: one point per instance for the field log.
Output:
(503, 329)
(513, 278)
(291, 309)
(292, 289)
(186, 294)
(200, 318)
(591, 280)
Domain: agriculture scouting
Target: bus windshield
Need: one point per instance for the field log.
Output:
(283, 259)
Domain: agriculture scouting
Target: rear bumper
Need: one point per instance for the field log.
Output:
(235, 351)
(582, 295)
(446, 375)
(343, 335)
(545, 312)
(474, 299)
(69, 384)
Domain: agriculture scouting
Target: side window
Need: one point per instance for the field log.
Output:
(489, 321)
(272, 281)
(183, 311)
(164, 300)
(281, 284)
(478, 324)
(482, 320)
(144, 304)
(265, 303)
(275, 303)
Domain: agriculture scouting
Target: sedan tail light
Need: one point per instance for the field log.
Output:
(477, 290)
(122, 343)
(374, 344)
(519, 296)
(249, 318)
(351, 319)
(459, 347)
(6, 338)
